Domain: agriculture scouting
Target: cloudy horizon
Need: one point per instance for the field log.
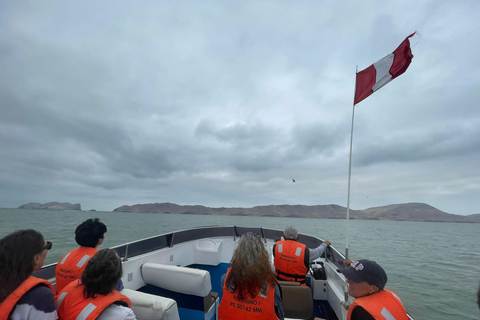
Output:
(223, 104)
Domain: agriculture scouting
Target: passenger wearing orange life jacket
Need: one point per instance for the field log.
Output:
(94, 296)
(292, 258)
(260, 307)
(367, 281)
(250, 290)
(89, 235)
(23, 296)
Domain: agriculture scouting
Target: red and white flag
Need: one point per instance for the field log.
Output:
(383, 71)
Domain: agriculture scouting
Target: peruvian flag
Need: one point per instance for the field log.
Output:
(383, 71)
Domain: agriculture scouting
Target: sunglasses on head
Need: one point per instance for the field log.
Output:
(48, 246)
(253, 234)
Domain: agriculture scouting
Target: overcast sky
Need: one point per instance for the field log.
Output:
(222, 104)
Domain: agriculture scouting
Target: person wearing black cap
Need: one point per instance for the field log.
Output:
(367, 281)
(292, 259)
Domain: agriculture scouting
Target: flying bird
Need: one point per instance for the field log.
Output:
(293, 180)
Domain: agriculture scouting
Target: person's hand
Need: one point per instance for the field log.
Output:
(327, 242)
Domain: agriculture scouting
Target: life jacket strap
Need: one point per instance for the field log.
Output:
(283, 276)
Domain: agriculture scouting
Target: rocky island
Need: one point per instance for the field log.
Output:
(52, 206)
(398, 212)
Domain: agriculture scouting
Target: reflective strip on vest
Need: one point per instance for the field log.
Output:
(395, 295)
(280, 248)
(83, 260)
(60, 299)
(263, 294)
(387, 314)
(65, 258)
(298, 252)
(86, 311)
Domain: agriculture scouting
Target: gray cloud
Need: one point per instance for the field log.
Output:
(223, 104)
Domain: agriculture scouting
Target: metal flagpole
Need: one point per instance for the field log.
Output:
(350, 166)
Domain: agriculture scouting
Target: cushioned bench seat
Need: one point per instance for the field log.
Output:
(151, 307)
(297, 300)
(190, 288)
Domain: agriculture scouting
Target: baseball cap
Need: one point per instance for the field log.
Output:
(290, 233)
(366, 270)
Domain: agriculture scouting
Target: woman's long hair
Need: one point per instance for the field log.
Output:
(17, 252)
(102, 273)
(250, 271)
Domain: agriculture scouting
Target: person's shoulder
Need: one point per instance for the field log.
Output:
(117, 312)
(39, 290)
(66, 254)
(40, 297)
(72, 252)
(358, 313)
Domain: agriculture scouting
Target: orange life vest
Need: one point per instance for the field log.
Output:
(290, 261)
(71, 302)
(71, 266)
(384, 304)
(7, 305)
(260, 307)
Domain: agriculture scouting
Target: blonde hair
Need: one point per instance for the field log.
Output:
(250, 271)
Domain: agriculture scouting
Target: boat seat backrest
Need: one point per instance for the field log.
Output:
(178, 279)
(297, 300)
(208, 252)
(151, 307)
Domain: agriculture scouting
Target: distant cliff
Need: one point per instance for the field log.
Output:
(52, 206)
(398, 212)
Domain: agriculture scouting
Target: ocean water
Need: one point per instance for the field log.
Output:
(434, 267)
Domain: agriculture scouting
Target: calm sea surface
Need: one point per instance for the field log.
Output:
(434, 267)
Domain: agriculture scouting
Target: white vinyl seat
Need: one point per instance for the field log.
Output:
(151, 307)
(191, 288)
(178, 279)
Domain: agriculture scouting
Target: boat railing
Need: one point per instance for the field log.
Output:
(171, 240)
(125, 257)
(139, 247)
(263, 235)
(150, 244)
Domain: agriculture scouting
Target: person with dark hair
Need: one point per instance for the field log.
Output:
(94, 295)
(23, 296)
(250, 290)
(292, 259)
(89, 235)
(366, 280)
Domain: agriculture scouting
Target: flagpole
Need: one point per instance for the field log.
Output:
(350, 166)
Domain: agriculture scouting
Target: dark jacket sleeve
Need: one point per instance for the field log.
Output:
(279, 303)
(361, 314)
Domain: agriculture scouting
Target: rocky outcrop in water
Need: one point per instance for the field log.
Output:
(398, 212)
(52, 206)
